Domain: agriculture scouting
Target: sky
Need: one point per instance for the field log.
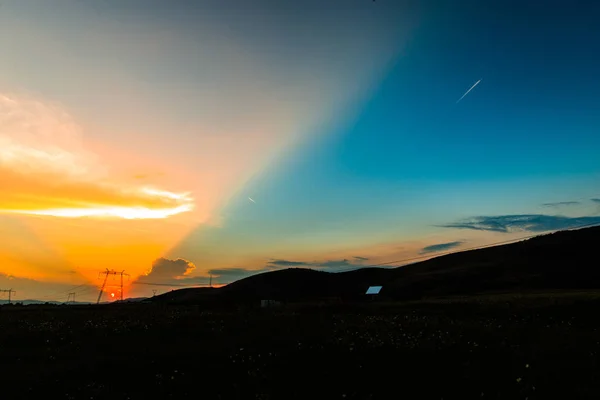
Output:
(185, 141)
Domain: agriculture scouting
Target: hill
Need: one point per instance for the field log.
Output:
(565, 260)
(42, 302)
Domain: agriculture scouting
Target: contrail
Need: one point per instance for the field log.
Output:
(463, 96)
(250, 198)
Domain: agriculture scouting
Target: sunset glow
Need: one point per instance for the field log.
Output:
(50, 172)
(119, 212)
(260, 135)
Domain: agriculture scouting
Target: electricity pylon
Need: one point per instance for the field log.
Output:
(10, 292)
(69, 298)
(106, 274)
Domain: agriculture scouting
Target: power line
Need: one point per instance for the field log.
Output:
(86, 287)
(483, 246)
(62, 292)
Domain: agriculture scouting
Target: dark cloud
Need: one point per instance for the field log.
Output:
(185, 282)
(527, 222)
(228, 275)
(236, 271)
(357, 262)
(337, 264)
(164, 269)
(345, 263)
(440, 247)
(288, 263)
(561, 204)
(595, 200)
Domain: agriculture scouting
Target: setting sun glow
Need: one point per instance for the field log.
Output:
(187, 144)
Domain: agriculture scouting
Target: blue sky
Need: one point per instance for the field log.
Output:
(411, 158)
(339, 119)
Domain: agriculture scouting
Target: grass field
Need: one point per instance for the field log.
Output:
(494, 347)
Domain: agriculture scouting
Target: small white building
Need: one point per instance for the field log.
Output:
(374, 290)
(270, 303)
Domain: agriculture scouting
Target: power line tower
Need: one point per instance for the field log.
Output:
(210, 281)
(71, 295)
(154, 292)
(106, 274)
(10, 293)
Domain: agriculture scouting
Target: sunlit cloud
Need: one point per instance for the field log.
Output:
(46, 171)
(165, 269)
(119, 212)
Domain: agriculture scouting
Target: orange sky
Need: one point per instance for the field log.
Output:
(132, 138)
(73, 207)
(104, 166)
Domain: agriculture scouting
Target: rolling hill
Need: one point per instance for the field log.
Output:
(565, 260)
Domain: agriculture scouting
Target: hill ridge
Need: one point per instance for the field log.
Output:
(557, 260)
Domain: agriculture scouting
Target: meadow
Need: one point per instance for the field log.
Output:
(497, 347)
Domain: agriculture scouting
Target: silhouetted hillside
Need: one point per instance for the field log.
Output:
(562, 260)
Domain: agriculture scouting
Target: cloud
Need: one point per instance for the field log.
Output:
(177, 283)
(164, 270)
(595, 200)
(343, 263)
(288, 263)
(228, 275)
(145, 285)
(440, 247)
(527, 223)
(226, 272)
(561, 204)
(46, 170)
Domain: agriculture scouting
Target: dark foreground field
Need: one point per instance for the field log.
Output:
(499, 347)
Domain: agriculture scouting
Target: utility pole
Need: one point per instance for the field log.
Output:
(10, 292)
(210, 281)
(69, 298)
(106, 274)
